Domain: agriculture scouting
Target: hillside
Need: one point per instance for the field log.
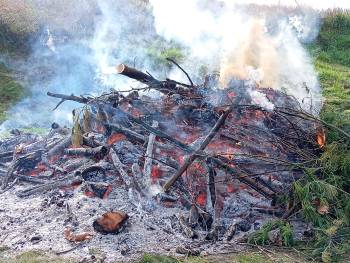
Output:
(332, 60)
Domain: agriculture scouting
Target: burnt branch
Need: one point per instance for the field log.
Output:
(203, 145)
(187, 75)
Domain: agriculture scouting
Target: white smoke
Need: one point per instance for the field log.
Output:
(74, 53)
(81, 41)
(233, 39)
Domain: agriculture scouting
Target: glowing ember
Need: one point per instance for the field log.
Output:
(201, 199)
(116, 137)
(321, 137)
(156, 172)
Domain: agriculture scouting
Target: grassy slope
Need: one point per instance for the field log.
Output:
(10, 91)
(244, 257)
(332, 61)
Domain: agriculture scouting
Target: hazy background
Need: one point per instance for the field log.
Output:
(68, 46)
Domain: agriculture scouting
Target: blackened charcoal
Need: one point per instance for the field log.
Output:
(244, 226)
(128, 152)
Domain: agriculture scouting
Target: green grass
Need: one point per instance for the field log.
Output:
(10, 91)
(35, 257)
(331, 51)
(263, 256)
(149, 258)
(334, 38)
(328, 181)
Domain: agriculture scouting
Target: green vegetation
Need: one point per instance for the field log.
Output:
(10, 91)
(332, 61)
(261, 237)
(34, 257)
(161, 49)
(323, 193)
(17, 22)
(148, 258)
(331, 187)
(262, 256)
(334, 38)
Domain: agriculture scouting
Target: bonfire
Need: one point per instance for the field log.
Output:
(209, 164)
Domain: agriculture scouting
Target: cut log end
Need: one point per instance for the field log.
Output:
(120, 68)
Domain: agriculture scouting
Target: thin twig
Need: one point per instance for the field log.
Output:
(188, 76)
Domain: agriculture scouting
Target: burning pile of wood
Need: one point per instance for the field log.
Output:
(193, 146)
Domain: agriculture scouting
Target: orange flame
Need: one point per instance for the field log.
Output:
(156, 172)
(230, 187)
(321, 137)
(116, 137)
(201, 199)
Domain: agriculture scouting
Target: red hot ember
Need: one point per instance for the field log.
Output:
(211, 148)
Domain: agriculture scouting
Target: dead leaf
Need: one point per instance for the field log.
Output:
(323, 209)
(70, 236)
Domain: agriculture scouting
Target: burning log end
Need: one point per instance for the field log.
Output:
(134, 73)
(110, 222)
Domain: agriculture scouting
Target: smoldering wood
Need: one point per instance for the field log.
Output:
(246, 180)
(26, 160)
(203, 145)
(77, 164)
(60, 146)
(193, 218)
(100, 150)
(172, 140)
(91, 142)
(231, 231)
(6, 154)
(127, 132)
(134, 136)
(68, 181)
(139, 176)
(67, 97)
(223, 163)
(147, 168)
(155, 131)
(135, 74)
(120, 168)
(134, 128)
(188, 231)
(211, 192)
(251, 182)
(31, 179)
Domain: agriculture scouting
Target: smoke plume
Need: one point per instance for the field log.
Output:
(263, 44)
(78, 43)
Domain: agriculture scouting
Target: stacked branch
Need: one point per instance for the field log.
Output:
(179, 141)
